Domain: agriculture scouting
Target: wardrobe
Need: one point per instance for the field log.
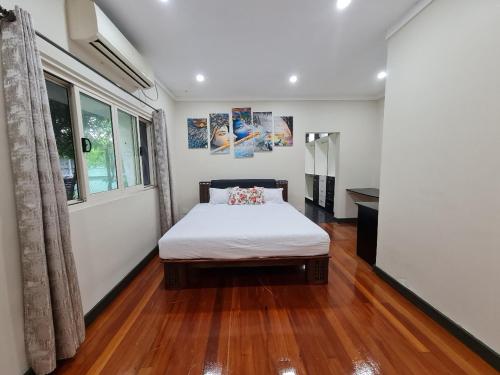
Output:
(321, 159)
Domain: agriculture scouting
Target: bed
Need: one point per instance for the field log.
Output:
(220, 235)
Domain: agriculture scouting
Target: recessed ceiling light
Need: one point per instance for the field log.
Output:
(164, 1)
(293, 79)
(342, 4)
(381, 75)
(200, 77)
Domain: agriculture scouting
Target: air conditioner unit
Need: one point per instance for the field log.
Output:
(90, 27)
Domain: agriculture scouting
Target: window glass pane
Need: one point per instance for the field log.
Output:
(144, 134)
(129, 149)
(98, 128)
(61, 122)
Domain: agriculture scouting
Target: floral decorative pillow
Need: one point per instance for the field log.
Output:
(256, 195)
(252, 196)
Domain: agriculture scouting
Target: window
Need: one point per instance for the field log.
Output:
(145, 136)
(104, 151)
(100, 156)
(59, 102)
(129, 149)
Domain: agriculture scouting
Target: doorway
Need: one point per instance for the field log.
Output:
(321, 172)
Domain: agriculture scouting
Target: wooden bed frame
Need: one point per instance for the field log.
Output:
(176, 270)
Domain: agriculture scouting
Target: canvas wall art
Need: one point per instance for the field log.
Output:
(197, 133)
(263, 127)
(220, 133)
(283, 131)
(244, 133)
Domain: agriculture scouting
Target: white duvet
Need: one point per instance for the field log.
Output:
(222, 231)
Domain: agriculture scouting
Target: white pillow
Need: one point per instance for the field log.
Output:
(273, 195)
(219, 196)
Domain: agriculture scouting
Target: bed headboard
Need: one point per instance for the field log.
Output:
(244, 183)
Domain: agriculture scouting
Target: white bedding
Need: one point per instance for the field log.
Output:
(223, 231)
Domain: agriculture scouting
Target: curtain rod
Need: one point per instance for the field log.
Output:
(9, 16)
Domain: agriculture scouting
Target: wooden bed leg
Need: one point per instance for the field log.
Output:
(317, 271)
(175, 275)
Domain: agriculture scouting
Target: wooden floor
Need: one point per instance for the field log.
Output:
(266, 322)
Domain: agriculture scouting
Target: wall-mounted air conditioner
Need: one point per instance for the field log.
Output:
(90, 27)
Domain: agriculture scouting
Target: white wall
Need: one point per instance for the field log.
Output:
(377, 156)
(49, 17)
(332, 154)
(440, 205)
(108, 239)
(357, 122)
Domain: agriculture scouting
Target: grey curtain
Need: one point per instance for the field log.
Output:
(163, 176)
(54, 326)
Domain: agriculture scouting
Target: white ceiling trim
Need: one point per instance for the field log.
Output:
(332, 99)
(269, 99)
(415, 11)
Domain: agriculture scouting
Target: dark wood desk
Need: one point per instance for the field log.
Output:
(370, 192)
(364, 194)
(367, 231)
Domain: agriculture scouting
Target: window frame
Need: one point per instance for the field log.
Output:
(74, 90)
(141, 186)
(76, 144)
(90, 197)
(152, 152)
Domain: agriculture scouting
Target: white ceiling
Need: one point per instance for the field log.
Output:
(247, 49)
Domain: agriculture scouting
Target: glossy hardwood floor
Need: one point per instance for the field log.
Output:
(265, 322)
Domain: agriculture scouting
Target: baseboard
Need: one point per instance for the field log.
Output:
(474, 344)
(346, 220)
(108, 298)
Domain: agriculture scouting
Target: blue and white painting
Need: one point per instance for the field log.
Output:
(283, 131)
(220, 134)
(263, 127)
(244, 133)
(197, 133)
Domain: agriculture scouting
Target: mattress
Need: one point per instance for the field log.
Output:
(222, 231)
